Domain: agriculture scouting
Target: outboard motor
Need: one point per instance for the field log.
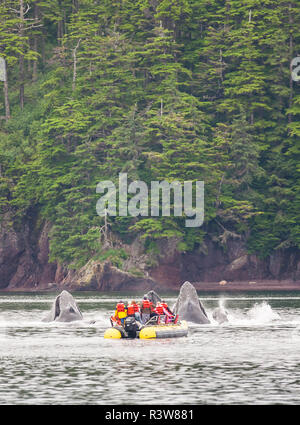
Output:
(131, 327)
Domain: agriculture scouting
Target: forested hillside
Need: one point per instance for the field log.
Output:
(159, 89)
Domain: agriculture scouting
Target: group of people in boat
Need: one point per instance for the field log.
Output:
(143, 311)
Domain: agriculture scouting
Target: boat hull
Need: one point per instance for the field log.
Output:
(151, 332)
(113, 333)
(164, 331)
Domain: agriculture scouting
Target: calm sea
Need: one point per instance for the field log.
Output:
(253, 359)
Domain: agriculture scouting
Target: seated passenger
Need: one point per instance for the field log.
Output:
(120, 313)
(168, 313)
(159, 310)
(165, 314)
(153, 313)
(134, 310)
(165, 306)
(145, 310)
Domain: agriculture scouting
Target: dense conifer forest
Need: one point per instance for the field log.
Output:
(160, 90)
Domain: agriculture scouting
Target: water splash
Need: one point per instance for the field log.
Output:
(222, 302)
(215, 315)
(262, 313)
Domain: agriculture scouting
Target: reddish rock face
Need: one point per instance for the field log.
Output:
(23, 260)
(11, 249)
(24, 263)
(232, 264)
(105, 277)
(169, 274)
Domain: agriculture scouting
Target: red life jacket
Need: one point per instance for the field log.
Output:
(159, 309)
(136, 308)
(130, 310)
(146, 304)
(120, 307)
(165, 305)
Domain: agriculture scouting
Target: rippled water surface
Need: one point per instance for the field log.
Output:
(253, 359)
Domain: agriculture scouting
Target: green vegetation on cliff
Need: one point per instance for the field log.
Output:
(159, 89)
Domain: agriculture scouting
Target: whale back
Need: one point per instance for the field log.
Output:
(153, 297)
(188, 306)
(64, 309)
(220, 315)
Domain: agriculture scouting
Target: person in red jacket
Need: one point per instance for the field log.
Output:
(159, 309)
(145, 309)
(164, 312)
(120, 313)
(133, 310)
(166, 307)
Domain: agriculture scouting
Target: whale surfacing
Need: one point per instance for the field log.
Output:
(64, 309)
(153, 297)
(188, 306)
(220, 315)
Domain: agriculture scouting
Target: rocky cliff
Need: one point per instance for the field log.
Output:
(24, 255)
(24, 264)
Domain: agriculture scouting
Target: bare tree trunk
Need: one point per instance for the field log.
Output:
(75, 5)
(21, 59)
(290, 57)
(217, 203)
(60, 31)
(29, 62)
(221, 65)
(21, 81)
(75, 65)
(43, 49)
(6, 100)
(35, 43)
(227, 11)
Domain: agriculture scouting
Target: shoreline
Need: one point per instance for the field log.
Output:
(238, 286)
(249, 286)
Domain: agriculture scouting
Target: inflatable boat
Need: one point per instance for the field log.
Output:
(150, 330)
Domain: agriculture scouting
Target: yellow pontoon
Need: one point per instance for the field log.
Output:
(149, 331)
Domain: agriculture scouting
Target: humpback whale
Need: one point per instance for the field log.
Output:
(188, 306)
(220, 315)
(153, 297)
(64, 309)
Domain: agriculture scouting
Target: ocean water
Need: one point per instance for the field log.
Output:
(252, 359)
